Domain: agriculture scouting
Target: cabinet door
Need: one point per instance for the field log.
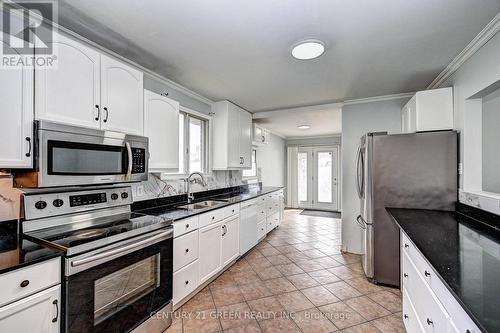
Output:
(161, 126)
(209, 258)
(121, 97)
(257, 133)
(230, 240)
(412, 115)
(37, 313)
(16, 111)
(234, 158)
(70, 93)
(245, 142)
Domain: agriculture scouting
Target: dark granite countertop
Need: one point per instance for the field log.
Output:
(465, 253)
(171, 212)
(16, 252)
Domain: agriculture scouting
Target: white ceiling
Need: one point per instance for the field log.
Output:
(323, 119)
(240, 50)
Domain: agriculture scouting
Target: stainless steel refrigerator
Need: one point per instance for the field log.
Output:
(403, 171)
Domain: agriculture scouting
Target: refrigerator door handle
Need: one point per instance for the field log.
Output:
(361, 222)
(358, 188)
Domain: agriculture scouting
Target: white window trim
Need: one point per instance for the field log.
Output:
(208, 144)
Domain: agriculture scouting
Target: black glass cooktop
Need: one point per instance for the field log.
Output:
(99, 231)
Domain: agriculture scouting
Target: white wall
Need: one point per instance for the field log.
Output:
(271, 159)
(320, 140)
(491, 138)
(358, 119)
(477, 73)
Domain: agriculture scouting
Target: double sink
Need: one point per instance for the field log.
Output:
(202, 205)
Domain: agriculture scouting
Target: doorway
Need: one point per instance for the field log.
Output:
(317, 178)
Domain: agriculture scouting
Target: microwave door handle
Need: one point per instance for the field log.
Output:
(129, 168)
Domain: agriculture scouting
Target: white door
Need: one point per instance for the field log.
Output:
(40, 312)
(210, 250)
(16, 111)
(121, 97)
(246, 138)
(70, 93)
(230, 240)
(318, 178)
(161, 126)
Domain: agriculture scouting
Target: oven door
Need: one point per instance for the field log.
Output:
(119, 287)
(69, 155)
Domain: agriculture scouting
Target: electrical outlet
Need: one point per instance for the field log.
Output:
(140, 190)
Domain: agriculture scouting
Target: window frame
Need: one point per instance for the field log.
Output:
(254, 149)
(207, 139)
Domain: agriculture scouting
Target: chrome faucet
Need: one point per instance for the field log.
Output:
(189, 181)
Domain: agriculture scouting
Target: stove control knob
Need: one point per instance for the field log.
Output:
(58, 203)
(124, 195)
(40, 204)
(114, 196)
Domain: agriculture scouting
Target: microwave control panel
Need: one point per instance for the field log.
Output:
(138, 160)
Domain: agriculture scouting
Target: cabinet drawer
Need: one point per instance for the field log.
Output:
(231, 210)
(410, 319)
(272, 208)
(261, 229)
(34, 278)
(185, 249)
(262, 199)
(211, 217)
(185, 281)
(432, 315)
(272, 221)
(184, 226)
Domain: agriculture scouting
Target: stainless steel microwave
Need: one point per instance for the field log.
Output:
(68, 155)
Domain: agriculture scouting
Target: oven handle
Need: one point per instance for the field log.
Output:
(143, 243)
(129, 168)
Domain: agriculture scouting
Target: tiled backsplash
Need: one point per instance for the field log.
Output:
(155, 187)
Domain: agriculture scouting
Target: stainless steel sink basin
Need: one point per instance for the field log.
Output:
(202, 204)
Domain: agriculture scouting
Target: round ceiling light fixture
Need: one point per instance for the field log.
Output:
(308, 49)
(304, 127)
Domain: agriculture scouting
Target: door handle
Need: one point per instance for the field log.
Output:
(358, 154)
(57, 311)
(361, 222)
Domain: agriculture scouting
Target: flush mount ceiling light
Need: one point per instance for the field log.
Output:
(308, 49)
(303, 127)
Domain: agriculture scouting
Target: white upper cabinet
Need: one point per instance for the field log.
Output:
(161, 126)
(121, 97)
(232, 137)
(16, 111)
(260, 135)
(70, 93)
(428, 110)
(89, 89)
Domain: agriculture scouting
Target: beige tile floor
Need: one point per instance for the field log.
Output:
(296, 280)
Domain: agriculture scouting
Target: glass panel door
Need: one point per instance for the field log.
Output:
(302, 179)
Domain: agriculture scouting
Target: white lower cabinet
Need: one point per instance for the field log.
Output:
(428, 306)
(230, 240)
(185, 250)
(185, 281)
(39, 313)
(273, 221)
(210, 250)
(261, 229)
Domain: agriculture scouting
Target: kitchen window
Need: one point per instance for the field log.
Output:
(252, 173)
(193, 143)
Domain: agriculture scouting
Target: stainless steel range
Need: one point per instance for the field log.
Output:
(117, 264)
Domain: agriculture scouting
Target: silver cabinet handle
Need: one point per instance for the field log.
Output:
(107, 114)
(98, 112)
(55, 302)
(28, 154)
(147, 241)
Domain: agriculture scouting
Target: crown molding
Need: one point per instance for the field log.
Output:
(482, 38)
(314, 107)
(379, 98)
